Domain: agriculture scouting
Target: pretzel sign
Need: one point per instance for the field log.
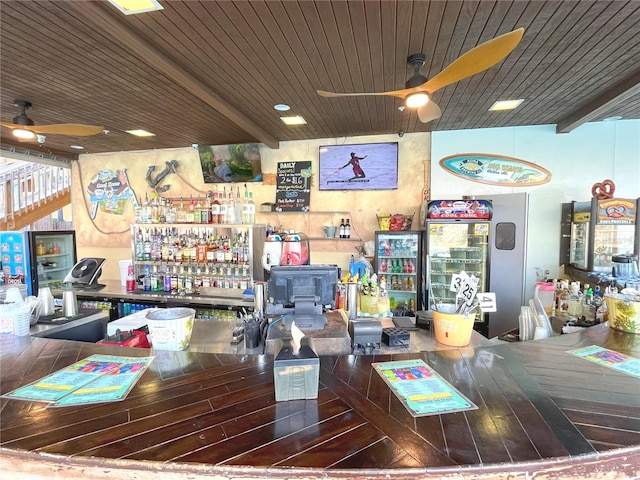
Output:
(603, 190)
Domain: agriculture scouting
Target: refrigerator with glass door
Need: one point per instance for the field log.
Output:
(457, 240)
(398, 262)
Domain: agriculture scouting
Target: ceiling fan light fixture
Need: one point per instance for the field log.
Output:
(416, 100)
(24, 134)
(505, 105)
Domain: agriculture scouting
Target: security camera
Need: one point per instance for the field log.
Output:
(41, 138)
(401, 134)
(194, 145)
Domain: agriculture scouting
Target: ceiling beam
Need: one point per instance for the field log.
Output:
(608, 99)
(97, 15)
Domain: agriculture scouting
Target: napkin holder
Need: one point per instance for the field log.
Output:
(296, 376)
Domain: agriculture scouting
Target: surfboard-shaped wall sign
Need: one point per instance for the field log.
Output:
(495, 169)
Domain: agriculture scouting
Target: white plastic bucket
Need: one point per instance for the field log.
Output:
(124, 271)
(170, 328)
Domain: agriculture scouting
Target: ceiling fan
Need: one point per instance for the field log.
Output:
(24, 128)
(418, 89)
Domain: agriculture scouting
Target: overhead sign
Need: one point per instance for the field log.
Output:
(495, 170)
(470, 209)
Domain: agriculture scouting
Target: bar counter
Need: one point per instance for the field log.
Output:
(542, 413)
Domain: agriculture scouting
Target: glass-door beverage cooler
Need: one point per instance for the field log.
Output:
(457, 240)
(613, 230)
(398, 261)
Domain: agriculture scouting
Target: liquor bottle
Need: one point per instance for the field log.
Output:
(190, 215)
(215, 209)
(139, 245)
(347, 229)
(146, 280)
(175, 280)
(180, 213)
(238, 205)
(167, 279)
(153, 279)
(153, 215)
(574, 300)
(162, 210)
(145, 215)
(252, 210)
(224, 215)
(342, 228)
(245, 207)
(231, 209)
(197, 211)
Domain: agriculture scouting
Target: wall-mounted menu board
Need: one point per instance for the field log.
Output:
(293, 186)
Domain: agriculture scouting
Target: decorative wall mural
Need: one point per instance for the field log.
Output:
(495, 169)
(110, 193)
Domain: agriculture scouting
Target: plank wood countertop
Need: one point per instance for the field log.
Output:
(542, 413)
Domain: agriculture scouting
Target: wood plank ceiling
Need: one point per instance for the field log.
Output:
(210, 72)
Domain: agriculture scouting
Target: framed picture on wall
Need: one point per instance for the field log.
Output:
(366, 166)
(239, 162)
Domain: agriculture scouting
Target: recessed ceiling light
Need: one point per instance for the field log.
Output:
(297, 120)
(505, 105)
(612, 119)
(132, 7)
(77, 147)
(141, 133)
(282, 107)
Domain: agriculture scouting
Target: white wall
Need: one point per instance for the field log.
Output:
(577, 160)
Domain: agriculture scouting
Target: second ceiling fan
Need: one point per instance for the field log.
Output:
(418, 89)
(25, 129)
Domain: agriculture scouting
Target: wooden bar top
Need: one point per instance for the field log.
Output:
(542, 413)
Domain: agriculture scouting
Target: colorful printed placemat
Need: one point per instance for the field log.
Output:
(609, 358)
(96, 379)
(421, 389)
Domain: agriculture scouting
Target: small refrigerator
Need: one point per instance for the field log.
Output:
(33, 259)
(398, 261)
(456, 241)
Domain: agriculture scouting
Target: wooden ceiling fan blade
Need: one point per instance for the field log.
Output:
(476, 60)
(71, 129)
(394, 93)
(429, 111)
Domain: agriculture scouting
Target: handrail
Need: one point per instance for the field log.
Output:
(30, 186)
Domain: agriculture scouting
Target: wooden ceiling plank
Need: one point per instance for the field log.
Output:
(352, 107)
(371, 20)
(489, 86)
(90, 13)
(621, 92)
(348, 30)
(330, 79)
(111, 71)
(305, 58)
(561, 66)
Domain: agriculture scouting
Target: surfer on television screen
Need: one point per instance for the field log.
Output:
(355, 163)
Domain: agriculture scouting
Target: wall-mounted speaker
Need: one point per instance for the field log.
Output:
(85, 273)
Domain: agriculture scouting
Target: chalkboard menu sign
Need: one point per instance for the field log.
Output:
(293, 186)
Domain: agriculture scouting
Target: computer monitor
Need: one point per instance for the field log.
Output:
(303, 291)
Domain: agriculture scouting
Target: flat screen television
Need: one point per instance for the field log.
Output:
(235, 163)
(365, 166)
